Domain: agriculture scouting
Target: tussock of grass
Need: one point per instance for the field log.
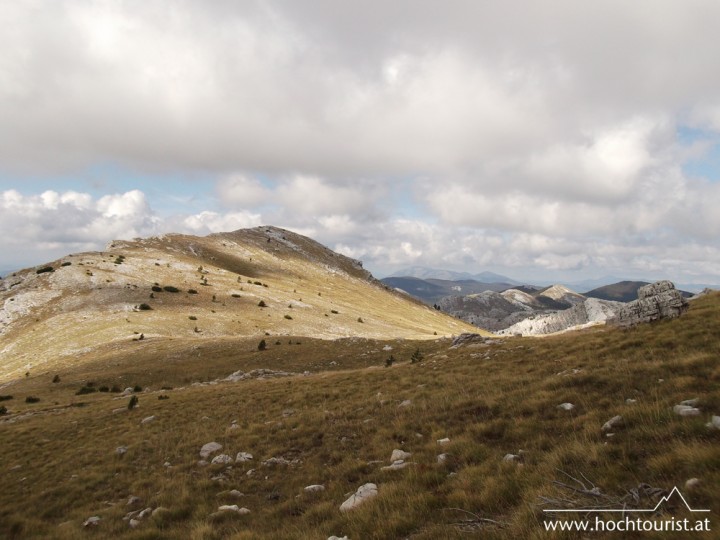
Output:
(489, 401)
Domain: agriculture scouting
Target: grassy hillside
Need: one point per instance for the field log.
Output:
(338, 424)
(180, 292)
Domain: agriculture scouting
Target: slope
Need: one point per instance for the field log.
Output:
(187, 290)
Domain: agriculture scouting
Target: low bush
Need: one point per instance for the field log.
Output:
(144, 307)
(288, 317)
(132, 403)
(192, 291)
(170, 288)
(262, 345)
(85, 390)
(32, 399)
(66, 263)
(262, 303)
(44, 270)
(5, 398)
(156, 288)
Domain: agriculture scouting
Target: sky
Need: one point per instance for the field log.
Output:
(555, 140)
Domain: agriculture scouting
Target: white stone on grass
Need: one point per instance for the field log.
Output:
(222, 459)
(399, 454)
(614, 422)
(686, 410)
(243, 456)
(566, 406)
(315, 488)
(209, 448)
(363, 494)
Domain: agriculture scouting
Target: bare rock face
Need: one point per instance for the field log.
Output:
(659, 300)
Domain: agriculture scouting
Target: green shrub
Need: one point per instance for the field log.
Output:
(334, 311)
(5, 398)
(288, 317)
(262, 345)
(32, 399)
(360, 319)
(85, 390)
(132, 403)
(390, 361)
(56, 379)
(103, 389)
(417, 356)
(192, 291)
(115, 389)
(170, 288)
(192, 318)
(156, 288)
(235, 295)
(44, 270)
(144, 307)
(262, 303)
(66, 263)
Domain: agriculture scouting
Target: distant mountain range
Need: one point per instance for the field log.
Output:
(423, 272)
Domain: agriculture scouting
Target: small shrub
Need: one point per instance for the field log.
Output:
(288, 317)
(417, 356)
(360, 319)
(144, 307)
(334, 311)
(85, 390)
(389, 361)
(137, 388)
(32, 399)
(192, 318)
(132, 403)
(262, 303)
(278, 342)
(5, 398)
(56, 379)
(44, 270)
(257, 283)
(103, 389)
(170, 288)
(163, 397)
(66, 263)
(115, 389)
(262, 345)
(235, 295)
(155, 288)
(192, 291)
(3, 410)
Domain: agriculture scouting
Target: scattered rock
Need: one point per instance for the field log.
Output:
(133, 500)
(512, 458)
(405, 403)
(692, 483)
(467, 339)
(566, 406)
(629, 401)
(279, 461)
(209, 448)
(659, 300)
(363, 494)
(399, 454)
(442, 458)
(121, 450)
(714, 423)
(242, 457)
(147, 420)
(443, 441)
(91, 521)
(338, 538)
(690, 402)
(159, 511)
(233, 508)
(686, 410)
(145, 513)
(315, 488)
(221, 459)
(614, 422)
(396, 465)
(134, 523)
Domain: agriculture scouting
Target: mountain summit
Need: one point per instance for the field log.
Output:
(174, 291)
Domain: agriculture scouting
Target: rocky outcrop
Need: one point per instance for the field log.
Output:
(659, 300)
(591, 311)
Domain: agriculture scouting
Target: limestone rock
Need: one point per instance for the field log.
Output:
(315, 488)
(686, 410)
(364, 493)
(396, 465)
(399, 454)
(147, 419)
(614, 422)
(93, 521)
(467, 339)
(221, 459)
(659, 300)
(209, 448)
(566, 406)
(243, 457)
(714, 423)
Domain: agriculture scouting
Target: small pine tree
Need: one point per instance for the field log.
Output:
(389, 362)
(262, 303)
(417, 356)
(132, 403)
(262, 345)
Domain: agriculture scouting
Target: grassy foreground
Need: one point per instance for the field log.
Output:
(338, 425)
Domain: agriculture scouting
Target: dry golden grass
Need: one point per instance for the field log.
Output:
(59, 464)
